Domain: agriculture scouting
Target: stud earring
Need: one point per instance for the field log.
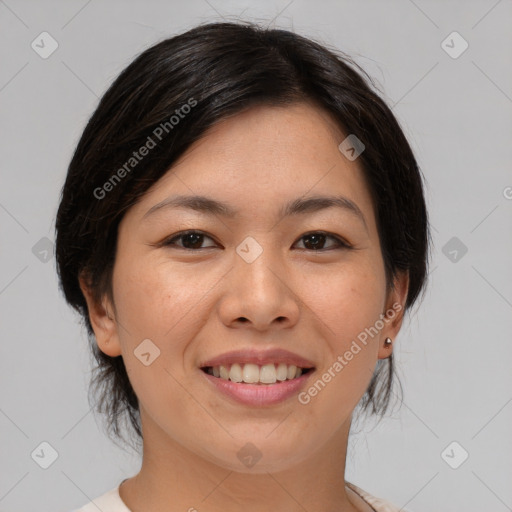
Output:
(388, 342)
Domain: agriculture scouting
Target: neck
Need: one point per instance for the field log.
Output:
(172, 475)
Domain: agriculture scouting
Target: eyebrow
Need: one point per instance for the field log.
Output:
(298, 206)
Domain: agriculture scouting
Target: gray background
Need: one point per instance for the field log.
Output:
(453, 353)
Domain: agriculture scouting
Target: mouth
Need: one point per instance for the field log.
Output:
(250, 373)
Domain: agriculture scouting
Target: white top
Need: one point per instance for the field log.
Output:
(111, 502)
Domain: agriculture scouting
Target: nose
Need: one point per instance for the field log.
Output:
(259, 295)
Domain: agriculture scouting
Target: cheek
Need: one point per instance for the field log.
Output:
(157, 303)
(352, 303)
(155, 300)
(349, 300)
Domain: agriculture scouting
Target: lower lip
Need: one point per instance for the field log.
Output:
(259, 394)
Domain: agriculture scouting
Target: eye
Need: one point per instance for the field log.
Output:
(191, 240)
(316, 241)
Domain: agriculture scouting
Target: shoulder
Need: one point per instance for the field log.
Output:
(378, 504)
(107, 502)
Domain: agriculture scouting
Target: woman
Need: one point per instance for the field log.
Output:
(242, 228)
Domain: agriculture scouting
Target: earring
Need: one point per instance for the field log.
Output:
(388, 342)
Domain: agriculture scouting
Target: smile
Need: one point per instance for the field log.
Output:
(250, 373)
(257, 393)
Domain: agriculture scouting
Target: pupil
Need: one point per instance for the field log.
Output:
(315, 239)
(193, 238)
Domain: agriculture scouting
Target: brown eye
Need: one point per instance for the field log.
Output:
(191, 240)
(316, 241)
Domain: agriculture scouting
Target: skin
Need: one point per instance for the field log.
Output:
(197, 305)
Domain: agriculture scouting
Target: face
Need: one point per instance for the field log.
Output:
(309, 282)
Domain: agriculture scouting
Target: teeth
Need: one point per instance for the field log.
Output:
(224, 373)
(282, 371)
(235, 374)
(267, 374)
(251, 373)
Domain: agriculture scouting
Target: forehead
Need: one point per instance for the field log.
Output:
(262, 158)
(263, 132)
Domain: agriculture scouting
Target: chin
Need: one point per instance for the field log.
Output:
(259, 458)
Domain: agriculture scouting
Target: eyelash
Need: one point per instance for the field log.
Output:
(342, 244)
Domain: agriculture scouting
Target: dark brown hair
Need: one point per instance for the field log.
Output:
(218, 70)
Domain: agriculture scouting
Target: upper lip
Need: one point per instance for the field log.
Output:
(259, 357)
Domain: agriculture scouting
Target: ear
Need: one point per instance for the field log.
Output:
(103, 321)
(395, 309)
